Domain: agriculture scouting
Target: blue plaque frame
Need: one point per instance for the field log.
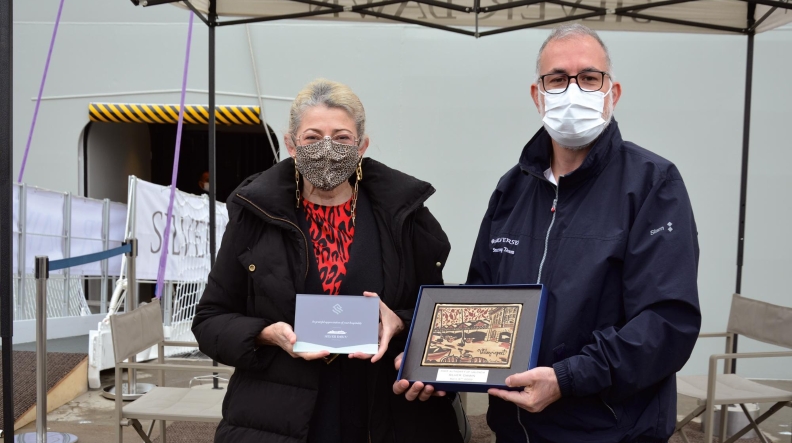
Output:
(533, 318)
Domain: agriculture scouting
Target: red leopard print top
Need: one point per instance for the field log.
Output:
(331, 233)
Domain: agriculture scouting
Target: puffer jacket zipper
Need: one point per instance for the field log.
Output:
(305, 239)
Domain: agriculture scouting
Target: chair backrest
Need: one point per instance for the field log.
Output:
(136, 331)
(761, 321)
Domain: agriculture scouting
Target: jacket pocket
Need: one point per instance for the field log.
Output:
(585, 413)
(271, 293)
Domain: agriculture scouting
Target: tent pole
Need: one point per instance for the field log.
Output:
(212, 150)
(744, 174)
(6, 213)
(6, 217)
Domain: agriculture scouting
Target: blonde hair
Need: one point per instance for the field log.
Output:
(322, 92)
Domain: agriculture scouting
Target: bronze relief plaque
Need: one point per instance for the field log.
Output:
(472, 335)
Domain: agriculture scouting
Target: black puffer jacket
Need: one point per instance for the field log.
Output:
(263, 262)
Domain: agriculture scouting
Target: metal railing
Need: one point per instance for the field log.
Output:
(87, 227)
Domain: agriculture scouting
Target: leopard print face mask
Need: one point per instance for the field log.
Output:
(326, 164)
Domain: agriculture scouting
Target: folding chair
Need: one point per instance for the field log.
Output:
(139, 330)
(760, 321)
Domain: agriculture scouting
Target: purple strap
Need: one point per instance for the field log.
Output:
(41, 91)
(164, 255)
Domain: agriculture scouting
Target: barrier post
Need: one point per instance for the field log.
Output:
(131, 303)
(42, 274)
(106, 246)
(168, 298)
(66, 253)
(22, 259)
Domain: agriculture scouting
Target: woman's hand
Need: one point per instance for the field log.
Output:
(390, 325)
(281, 334)
(417, 390)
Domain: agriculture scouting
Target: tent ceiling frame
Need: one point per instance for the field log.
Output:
(641, 12)
(674, 21)
(542, 23)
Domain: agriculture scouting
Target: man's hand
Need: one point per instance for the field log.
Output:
(390, 325)
(541, 389)
(281, 334)
(417, 390)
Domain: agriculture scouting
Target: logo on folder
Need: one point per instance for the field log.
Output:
(337, 309)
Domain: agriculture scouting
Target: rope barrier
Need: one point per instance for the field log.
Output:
(88, 258)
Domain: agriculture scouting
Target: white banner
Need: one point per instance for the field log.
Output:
(86, 233)
(188, 248)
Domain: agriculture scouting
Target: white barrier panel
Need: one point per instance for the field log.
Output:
(188, 249)
(47, 232)
(61, 225)
(44, 226)
(86, 233)
(117, 221)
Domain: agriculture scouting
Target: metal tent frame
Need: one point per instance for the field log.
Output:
(315, 8)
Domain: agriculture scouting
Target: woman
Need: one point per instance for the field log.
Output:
(323, 221)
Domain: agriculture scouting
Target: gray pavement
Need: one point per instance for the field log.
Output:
(91, 416)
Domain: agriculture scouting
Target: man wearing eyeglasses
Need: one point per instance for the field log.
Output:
(606, 226)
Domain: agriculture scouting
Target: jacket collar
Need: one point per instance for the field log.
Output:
(392, 191)
(536, 154)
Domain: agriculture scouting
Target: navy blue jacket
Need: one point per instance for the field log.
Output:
(616, 246)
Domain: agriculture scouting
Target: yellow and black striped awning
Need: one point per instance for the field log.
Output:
(194, 114)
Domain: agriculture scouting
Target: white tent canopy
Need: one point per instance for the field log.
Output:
(487, 17)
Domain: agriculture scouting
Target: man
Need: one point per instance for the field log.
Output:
(203, 184)
(607, 227)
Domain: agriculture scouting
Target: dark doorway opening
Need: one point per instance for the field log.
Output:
(241, 152)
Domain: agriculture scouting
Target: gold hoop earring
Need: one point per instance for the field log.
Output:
(359, 176)
(297, 182)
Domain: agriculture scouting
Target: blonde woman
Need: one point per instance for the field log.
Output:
(326, 220)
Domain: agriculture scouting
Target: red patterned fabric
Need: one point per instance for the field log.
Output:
(331, 232)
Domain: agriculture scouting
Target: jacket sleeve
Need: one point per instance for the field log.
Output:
(660, 299)
(431, 248)
(223, 330)
(479, 272)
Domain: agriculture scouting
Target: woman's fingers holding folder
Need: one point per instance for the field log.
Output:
(390, 325)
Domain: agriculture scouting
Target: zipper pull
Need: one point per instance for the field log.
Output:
(555, 201)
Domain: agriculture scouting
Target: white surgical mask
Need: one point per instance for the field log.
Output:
(574, 118)
(205, 187)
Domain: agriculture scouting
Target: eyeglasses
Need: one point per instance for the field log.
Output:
(343, 137)
(587, 81)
